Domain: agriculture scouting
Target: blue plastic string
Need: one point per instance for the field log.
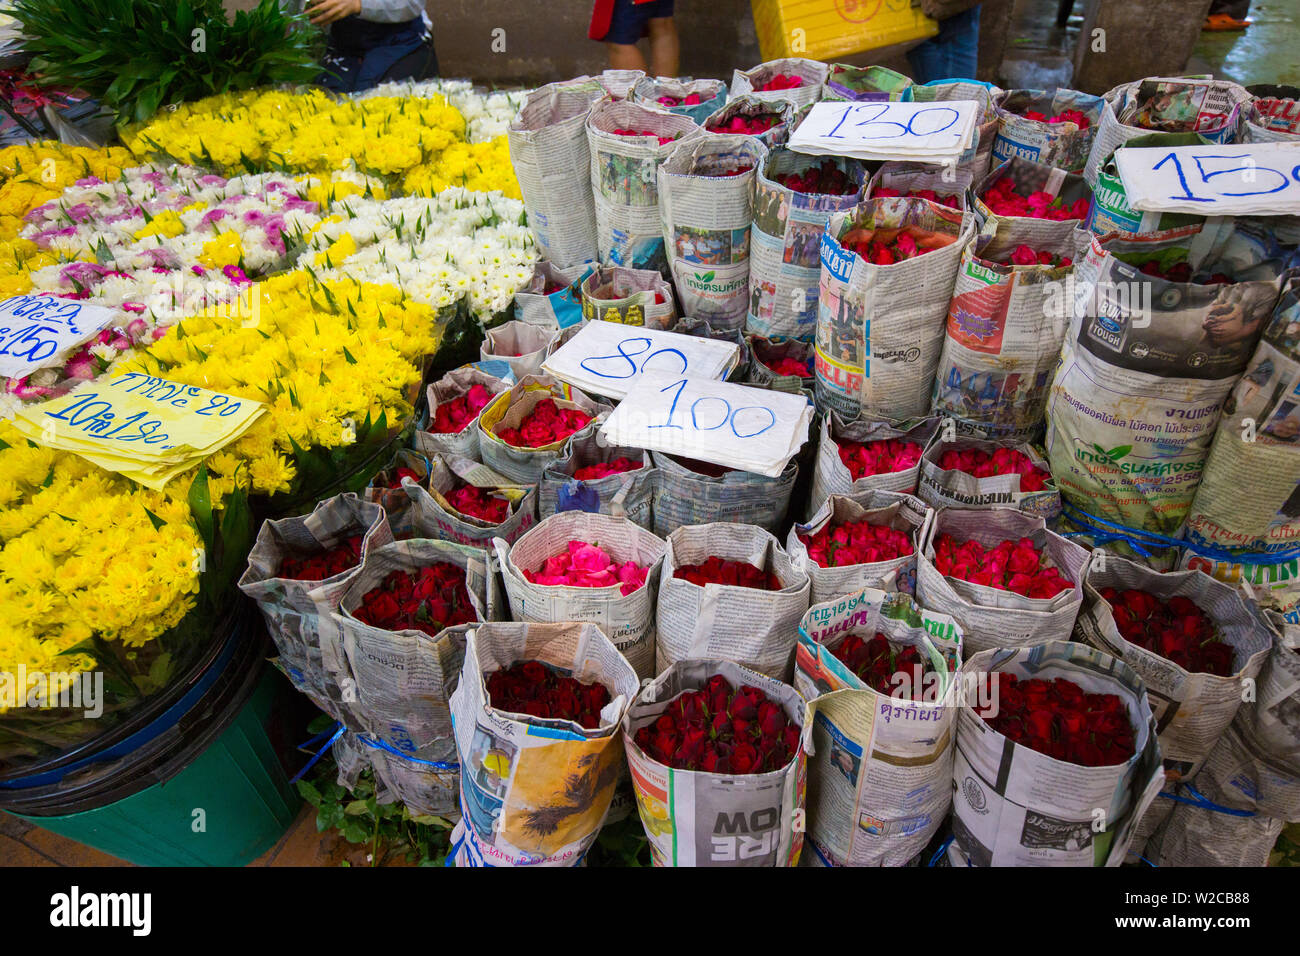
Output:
(938, 854)
(1139, 540)
(1198, 800)
(337, 729)
(389, 748)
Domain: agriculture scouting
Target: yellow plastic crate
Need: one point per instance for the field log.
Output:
(833, 28)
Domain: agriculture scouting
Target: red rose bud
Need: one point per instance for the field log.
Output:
(1009, 566)
(451, 417)
(781, 82)
(1059, 719)
(1177, 629)
(1024, 255)
(715, 570)
(877, 661)
(881, 457)
(480, 503)
(1003, 461)
(604, 469)
(537, 689)
(327, 564)
(856, 542)
(1002, 199)
(431, 599)
(546, 424)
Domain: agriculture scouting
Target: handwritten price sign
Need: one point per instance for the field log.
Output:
(1259, 179)
(930, 132)
(607, 358)
(39, 330)
(753, 429)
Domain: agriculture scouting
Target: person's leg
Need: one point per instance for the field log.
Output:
(954, 53)
(665, 49)
(420, 65)
(625, 56)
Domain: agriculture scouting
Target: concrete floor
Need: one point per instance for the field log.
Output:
(1266, 52)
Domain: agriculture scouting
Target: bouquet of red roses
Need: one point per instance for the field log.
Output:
(1175, 629)
(482, 504)
(826, 179)
(603, 469)
(547, 424)
(880, 457)
(318, 567)
(1017, 566)
(846, 543)
(876, 661)
(538, 689)
(1076, 117)
(1058, 718)
(1001, 461)
(430, 600)
(886, 192)
(1002, 199)
(1024, 255)
(741, 574)
(453, 416)
(884, 247)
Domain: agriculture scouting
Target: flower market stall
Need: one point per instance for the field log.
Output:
(770, 476)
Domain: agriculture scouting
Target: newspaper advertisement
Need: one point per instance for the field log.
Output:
(299, 614)
(627, 619)
(880, 765)
(785, 243)
(1210, 108)
(1006, 322)
(455, 384)
(696, 818)
(1273, 115)
(887, 509)
(552, 161)
(705, 204)
(435, 516)
(951, 488)
(1013, 806)
(1248, 501)
(696, 99)
(640, 297)
(831, 476)
(691, 492)
(979, 156)
(509, 409)
(750, 626)
(522, 346)
(623, 494)
(993, 617)
(628, 229)
(1147, 365)
(880, 327)
(535, 791)
(404, 678)
(867, 84)
(812, 73)
(1064, 145)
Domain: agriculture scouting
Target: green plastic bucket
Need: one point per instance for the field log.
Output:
(225, 806)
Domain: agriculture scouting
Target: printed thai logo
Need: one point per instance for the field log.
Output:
(708, 283)
(974, 795)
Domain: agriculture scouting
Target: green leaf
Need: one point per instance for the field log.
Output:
(154, 519)
(201, 507)
(308, 791)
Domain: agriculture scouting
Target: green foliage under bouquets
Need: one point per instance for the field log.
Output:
(138, 55)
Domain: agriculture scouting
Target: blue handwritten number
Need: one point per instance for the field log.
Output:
(1182, 179)
(672, 410)
(757, 408)
(1206, 177)
(726, 415)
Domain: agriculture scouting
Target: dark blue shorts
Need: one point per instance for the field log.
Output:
(628, 23)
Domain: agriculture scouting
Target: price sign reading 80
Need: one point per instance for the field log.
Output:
(623, 364)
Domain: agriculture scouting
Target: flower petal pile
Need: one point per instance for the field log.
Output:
(585, 565)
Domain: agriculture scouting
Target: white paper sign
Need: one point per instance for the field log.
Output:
(1255, 179)
(606, 358)
(929, 132)
(38, 330)
(736, 426)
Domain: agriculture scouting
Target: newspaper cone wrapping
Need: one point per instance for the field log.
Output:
(558, 310)
(748, 107)
(767, 353)
(712, 94)
(507, 410)
(752, 627)
(695, 818)
(1029, 177)
(389, 492)
(628, 494)
(892, 509)
(552, 161)
(1013, 806)
(684, 496)
(522, 346)
(299, 614)
(535, 791)
(1063, 145)
(880, 328)
(705, 206)
(879, 778)
(813, 73)
(629, 296)
(785, 244)
(434, 517)
(464, 443)
(950, 488)
(948, 182)
(832, 477)
(992, 617)
(628, 620)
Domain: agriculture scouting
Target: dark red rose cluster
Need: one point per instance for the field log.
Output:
(1009, 566)
(1176, 629)
(1059, 719)
(875, 662)
(603, 469)
(319, 567)
(864, 459)
(546, 424)
(1003, 200)
(741, 574)
(856, 542)
(825, 178)
(748, 125)
(452, 416)
(1002, 461)
(433, 598)
(1181, 272)
(538, 690)
(718, 730)
(480, 503)
(884, 253)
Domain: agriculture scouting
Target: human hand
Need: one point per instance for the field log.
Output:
(323, 12)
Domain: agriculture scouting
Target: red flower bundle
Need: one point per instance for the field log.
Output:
(748, 125)
(880, 457)
(399, 475)
(875, 662)
(1003, 200)
(451, 417)
(429, 600)
(856, 542)
(720, 730)
(1181, 272)
(663, 140)
(781, 81)
(715, 570)
(480, 503)
(1023, 255)
(546, 424)
(603, 469)
(585, 565)
(325, 565)
(1176, 629)
(1008, 566)
(537, 690)
(1065, 116)
(1003, 461)
(690, 99)
(1059, 719)
(902, 245)
(826, 179)
(786, 365)
(552, 287)
(886, 192)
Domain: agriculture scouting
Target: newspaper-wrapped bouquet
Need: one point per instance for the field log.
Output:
(1056, 129)
(602, 478)
(795, 79)
(525, 429)
(628, 296)
(862, 455)
(686, 97)
(522, 346)
(696, 492)
(469, 503)
(551, 297)
(455, 403)
(973, 473)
